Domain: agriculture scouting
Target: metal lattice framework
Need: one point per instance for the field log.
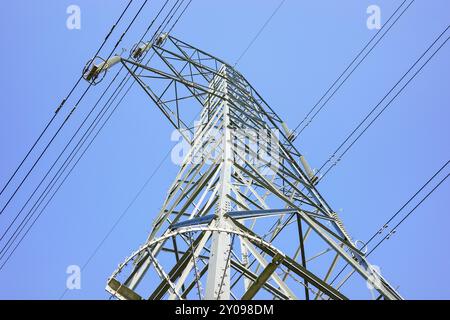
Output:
(243, 218)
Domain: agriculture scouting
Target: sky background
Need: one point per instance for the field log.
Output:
(298, 55)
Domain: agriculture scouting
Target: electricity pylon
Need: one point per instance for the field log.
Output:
(243, 218)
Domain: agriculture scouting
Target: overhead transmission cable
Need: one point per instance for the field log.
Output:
(68, 144)
(74, 148)
(69, 115)
(383, 33)
(395, 96)
(140, 190)
(85, 141)
(115, 47)
(63, 102)
(41, 199)
(363, 121)
(51, 168)
(395, 215)
(56, 181)
(385, 225)
(385, 107)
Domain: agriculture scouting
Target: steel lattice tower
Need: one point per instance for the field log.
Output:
(243, 218)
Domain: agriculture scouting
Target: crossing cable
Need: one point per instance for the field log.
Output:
(379, 104)
(80, 144)
(98, 120)
(355, 59)
(14, 236)
(63, 101)
(182, 13)
(42, 198)
(396, 95)
(333, 155)
(51, 168)
(415, 74)
(71, 112)
(166, 22)
(407, 203)
(68, 144)
(259, 33)
(387, 105)
(348, 68)
(384, 226)
(409, 213)
(20, 227)
(134, 198)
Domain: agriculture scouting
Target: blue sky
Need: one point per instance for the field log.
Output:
(299, 54)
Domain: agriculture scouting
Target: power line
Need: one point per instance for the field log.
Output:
(373, 120)
(67, 145)
(410, 213)
(408, 202)
(63, 102)
(56, 175)
(385, 107)
(182, 13)
(47, 191)
(165, 22)
(259, 33)
(401, 221)
(70, 114)
(18, 228)
(53, 165)
(122, 215)
(155, 171)
(353, 70)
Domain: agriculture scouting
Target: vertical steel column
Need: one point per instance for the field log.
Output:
(218, 280)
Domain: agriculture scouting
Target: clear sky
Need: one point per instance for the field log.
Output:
(297, 56)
